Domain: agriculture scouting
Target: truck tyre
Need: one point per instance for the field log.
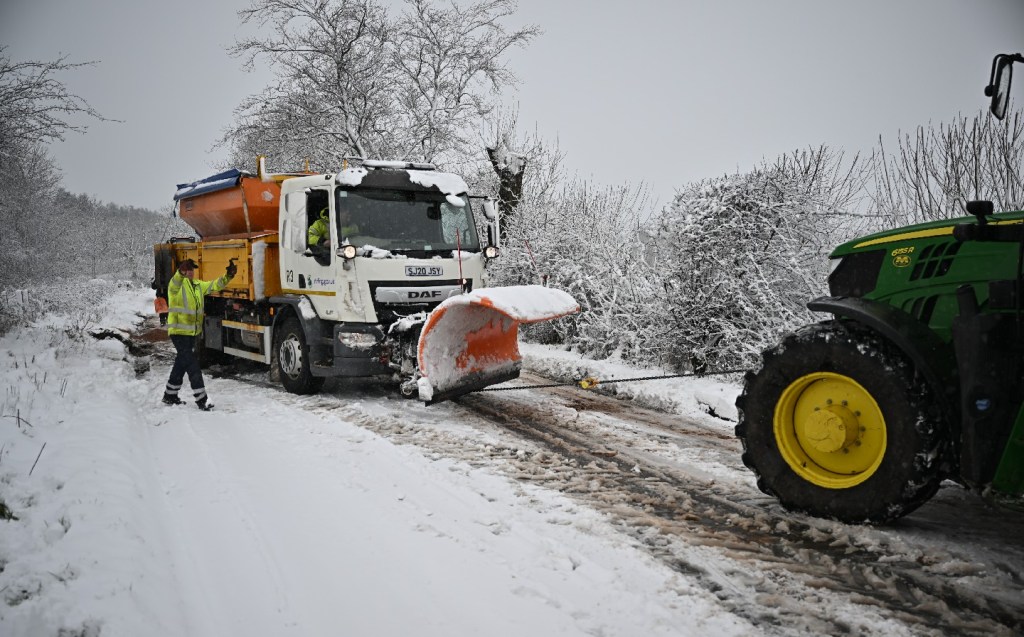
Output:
(293, 359)
(837, 423)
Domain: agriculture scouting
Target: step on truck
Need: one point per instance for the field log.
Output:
(378, 269)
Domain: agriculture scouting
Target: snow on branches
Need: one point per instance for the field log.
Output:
(354, 79)
(740, 256)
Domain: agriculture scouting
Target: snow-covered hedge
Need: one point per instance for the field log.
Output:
(715, 278)
(81, 300)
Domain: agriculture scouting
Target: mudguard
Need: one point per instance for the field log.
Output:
(471, 341)
(933, 358)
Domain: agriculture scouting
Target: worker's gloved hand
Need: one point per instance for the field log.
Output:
(232, 270)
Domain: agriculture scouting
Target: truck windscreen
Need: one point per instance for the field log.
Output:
(405, 221)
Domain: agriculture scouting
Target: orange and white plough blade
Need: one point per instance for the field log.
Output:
(472, 340)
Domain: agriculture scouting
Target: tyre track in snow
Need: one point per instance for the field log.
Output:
(781, 571)
(823, 555)
(683, 517)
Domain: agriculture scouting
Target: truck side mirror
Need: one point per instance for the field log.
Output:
(491, 212)
(491, 209)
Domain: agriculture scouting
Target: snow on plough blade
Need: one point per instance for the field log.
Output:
(472, 340)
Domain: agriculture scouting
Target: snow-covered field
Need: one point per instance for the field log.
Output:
(280, 515)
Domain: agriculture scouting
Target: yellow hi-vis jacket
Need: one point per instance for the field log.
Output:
(320, 230)
(185, 303)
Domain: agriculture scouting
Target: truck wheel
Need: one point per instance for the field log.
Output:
(293, 359)
(838, 424)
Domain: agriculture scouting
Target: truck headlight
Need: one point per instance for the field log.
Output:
(490, 252)
(357, 340)
(348, 251)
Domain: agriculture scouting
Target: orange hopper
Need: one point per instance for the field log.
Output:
(230, 204)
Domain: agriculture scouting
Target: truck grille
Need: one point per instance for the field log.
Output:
(389, 312)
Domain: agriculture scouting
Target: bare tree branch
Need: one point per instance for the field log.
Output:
(35, 106)
(352, 79)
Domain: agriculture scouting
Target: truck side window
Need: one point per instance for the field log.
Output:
(318, 224)
(293, 226)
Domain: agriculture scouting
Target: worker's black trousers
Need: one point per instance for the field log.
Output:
(186, 362)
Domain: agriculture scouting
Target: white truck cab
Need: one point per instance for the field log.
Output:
(398, 239)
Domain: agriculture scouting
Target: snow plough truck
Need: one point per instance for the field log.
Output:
(398, 286)
(919, 376)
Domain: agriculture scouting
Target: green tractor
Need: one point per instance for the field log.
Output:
(919, 377)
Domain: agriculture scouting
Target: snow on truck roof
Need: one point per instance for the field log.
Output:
(420, 174)
(388, 176)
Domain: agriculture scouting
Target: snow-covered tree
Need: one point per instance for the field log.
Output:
(353, 79)
(35, 108)
(739, 256)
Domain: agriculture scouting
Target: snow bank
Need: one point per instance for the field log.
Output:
(84, 548)
(709, 399)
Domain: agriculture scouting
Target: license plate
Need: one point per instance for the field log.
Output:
(423, 270)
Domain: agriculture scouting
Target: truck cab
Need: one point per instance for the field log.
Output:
(399, 241)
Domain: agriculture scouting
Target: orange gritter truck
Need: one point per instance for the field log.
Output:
(393, 281)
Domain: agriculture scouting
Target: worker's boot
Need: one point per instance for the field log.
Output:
(204, 404)
(172, 399)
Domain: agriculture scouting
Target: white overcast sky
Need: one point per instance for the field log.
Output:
(662, 92)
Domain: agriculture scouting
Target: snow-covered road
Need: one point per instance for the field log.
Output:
(356, 512)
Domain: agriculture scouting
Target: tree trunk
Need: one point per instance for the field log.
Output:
(510, 168)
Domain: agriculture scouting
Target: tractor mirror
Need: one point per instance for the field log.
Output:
(980, 209)
(999, 85)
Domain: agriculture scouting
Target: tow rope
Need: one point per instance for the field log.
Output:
(590, 382)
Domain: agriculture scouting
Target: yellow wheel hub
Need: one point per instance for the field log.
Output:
(830, 430)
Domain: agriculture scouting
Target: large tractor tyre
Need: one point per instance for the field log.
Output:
(292, 358)
(838, 424)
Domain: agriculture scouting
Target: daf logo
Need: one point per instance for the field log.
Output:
(425, 294)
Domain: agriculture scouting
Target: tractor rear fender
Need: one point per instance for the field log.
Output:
(932, 356)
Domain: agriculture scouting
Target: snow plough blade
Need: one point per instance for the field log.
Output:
(472, 340)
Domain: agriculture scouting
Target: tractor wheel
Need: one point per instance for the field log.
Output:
(838, 424)
(293, 359)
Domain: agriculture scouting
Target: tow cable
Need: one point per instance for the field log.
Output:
(590, 382)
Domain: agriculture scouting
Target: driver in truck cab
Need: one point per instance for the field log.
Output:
(320, 230)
